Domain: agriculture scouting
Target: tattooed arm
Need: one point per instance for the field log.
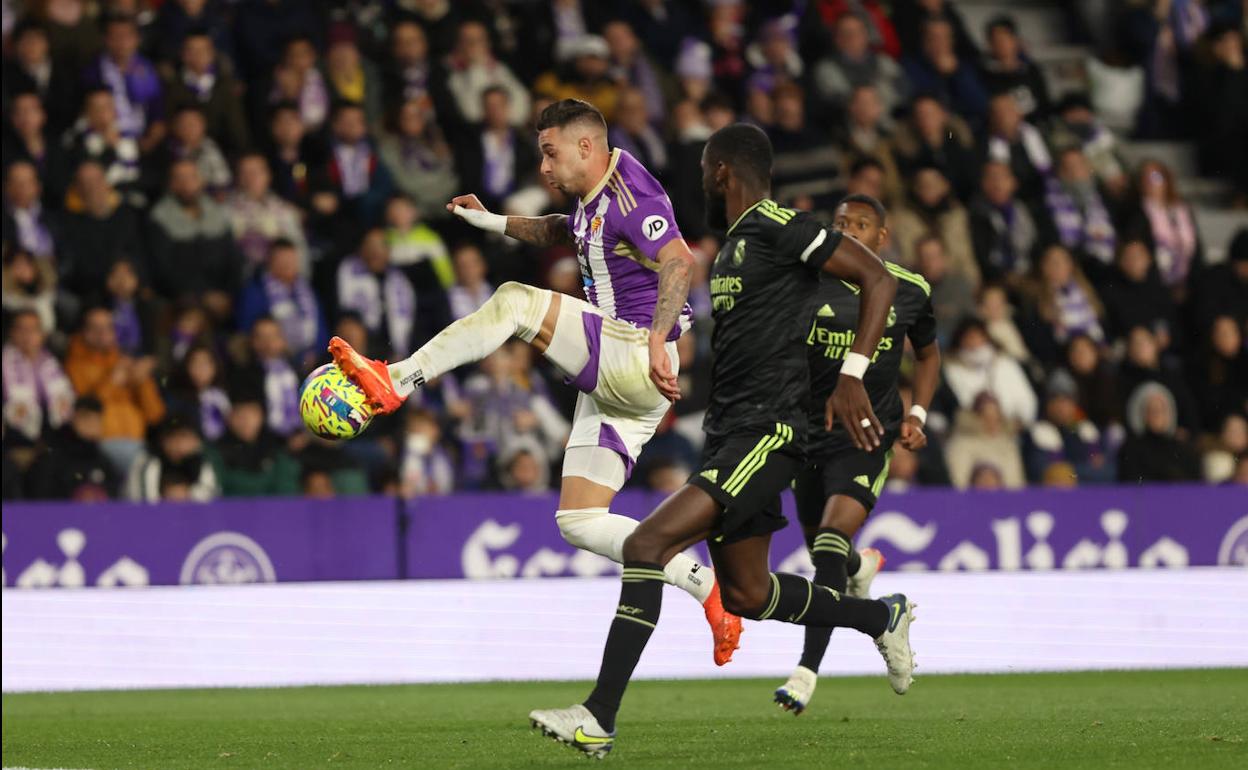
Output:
(549, 230)
(675, 272)
(538, 231)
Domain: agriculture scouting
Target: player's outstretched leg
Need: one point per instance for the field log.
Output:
(514, 310)
(599, 531)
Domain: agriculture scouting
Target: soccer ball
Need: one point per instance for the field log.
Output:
(333, 406)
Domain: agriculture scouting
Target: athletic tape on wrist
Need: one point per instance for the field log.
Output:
(919, 412)
(855, 365)
(484, 220)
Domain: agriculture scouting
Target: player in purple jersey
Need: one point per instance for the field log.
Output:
(618, 349)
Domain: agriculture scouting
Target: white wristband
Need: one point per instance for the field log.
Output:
(483, 220)
(855, 365)
(919, 412)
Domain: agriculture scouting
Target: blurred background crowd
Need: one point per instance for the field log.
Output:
(197, 193)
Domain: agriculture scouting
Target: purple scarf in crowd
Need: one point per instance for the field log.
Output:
(281, 396)
(214, 408)
(1087, 228)
(294, 307)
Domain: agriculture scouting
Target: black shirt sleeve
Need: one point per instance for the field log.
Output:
(923, 331)
(806, 240)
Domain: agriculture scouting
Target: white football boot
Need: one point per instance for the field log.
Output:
(795, 694)
(894, 643)
(576, 727)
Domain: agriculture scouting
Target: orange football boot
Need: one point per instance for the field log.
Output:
(725, 626)
(372, 376)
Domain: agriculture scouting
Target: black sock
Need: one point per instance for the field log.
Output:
(641, 596)
(794, 599)
(830, 554)
(854, 561)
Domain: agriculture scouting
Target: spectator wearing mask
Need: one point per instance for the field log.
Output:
(806, 162)
(368, 284)
(249, 460)
(1144, 363)
(932, 136)
(851, 63)
(125, 387)
(936, 67)
(419, 159)
(351, 77)
(1003, 231)
(982, 437)
(952, 296)
(29, 286)
(1008, 69)
(975, 366)
(1153, 452)
(26, 225)
(131, 80)
(1077, 125)
(33, 69)
(932, 207)
(38, 397)
(178, 452)
(1167, 222)
(193, 249)
(98, 230)
(1060, 298)
(633, 131)
(197, 392)
(1135, 295)
(74, 466)
(472, 69)
(203, 79)
(1065, 437)
(425, 468)
(260, 217)
(1019, 144)
(1097, 382)
(282, 293)
(1220, 374)
(1079, 214)
(97, 136)
(497, 160)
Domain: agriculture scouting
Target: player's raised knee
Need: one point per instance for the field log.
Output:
(643, 546)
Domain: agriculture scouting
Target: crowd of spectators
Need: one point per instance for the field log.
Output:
(197, 193)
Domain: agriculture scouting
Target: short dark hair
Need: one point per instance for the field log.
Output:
(863, 163)
(88, 404)
(866, 200)
(281, 243)
(565, 112)
(1003, 21)
(745, 148)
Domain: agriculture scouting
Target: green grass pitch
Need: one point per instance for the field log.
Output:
(1172, 719)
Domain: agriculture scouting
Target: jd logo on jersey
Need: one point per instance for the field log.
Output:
(654, 226)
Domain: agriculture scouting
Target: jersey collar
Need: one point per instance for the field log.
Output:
(615, 159)
(743, 213)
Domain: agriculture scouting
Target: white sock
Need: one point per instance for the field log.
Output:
(514, 310)
(599, 531)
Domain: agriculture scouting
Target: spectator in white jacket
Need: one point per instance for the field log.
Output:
(975, 366)
(983, 437)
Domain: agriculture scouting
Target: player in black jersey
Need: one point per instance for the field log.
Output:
(840, 483)
(762, 283)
